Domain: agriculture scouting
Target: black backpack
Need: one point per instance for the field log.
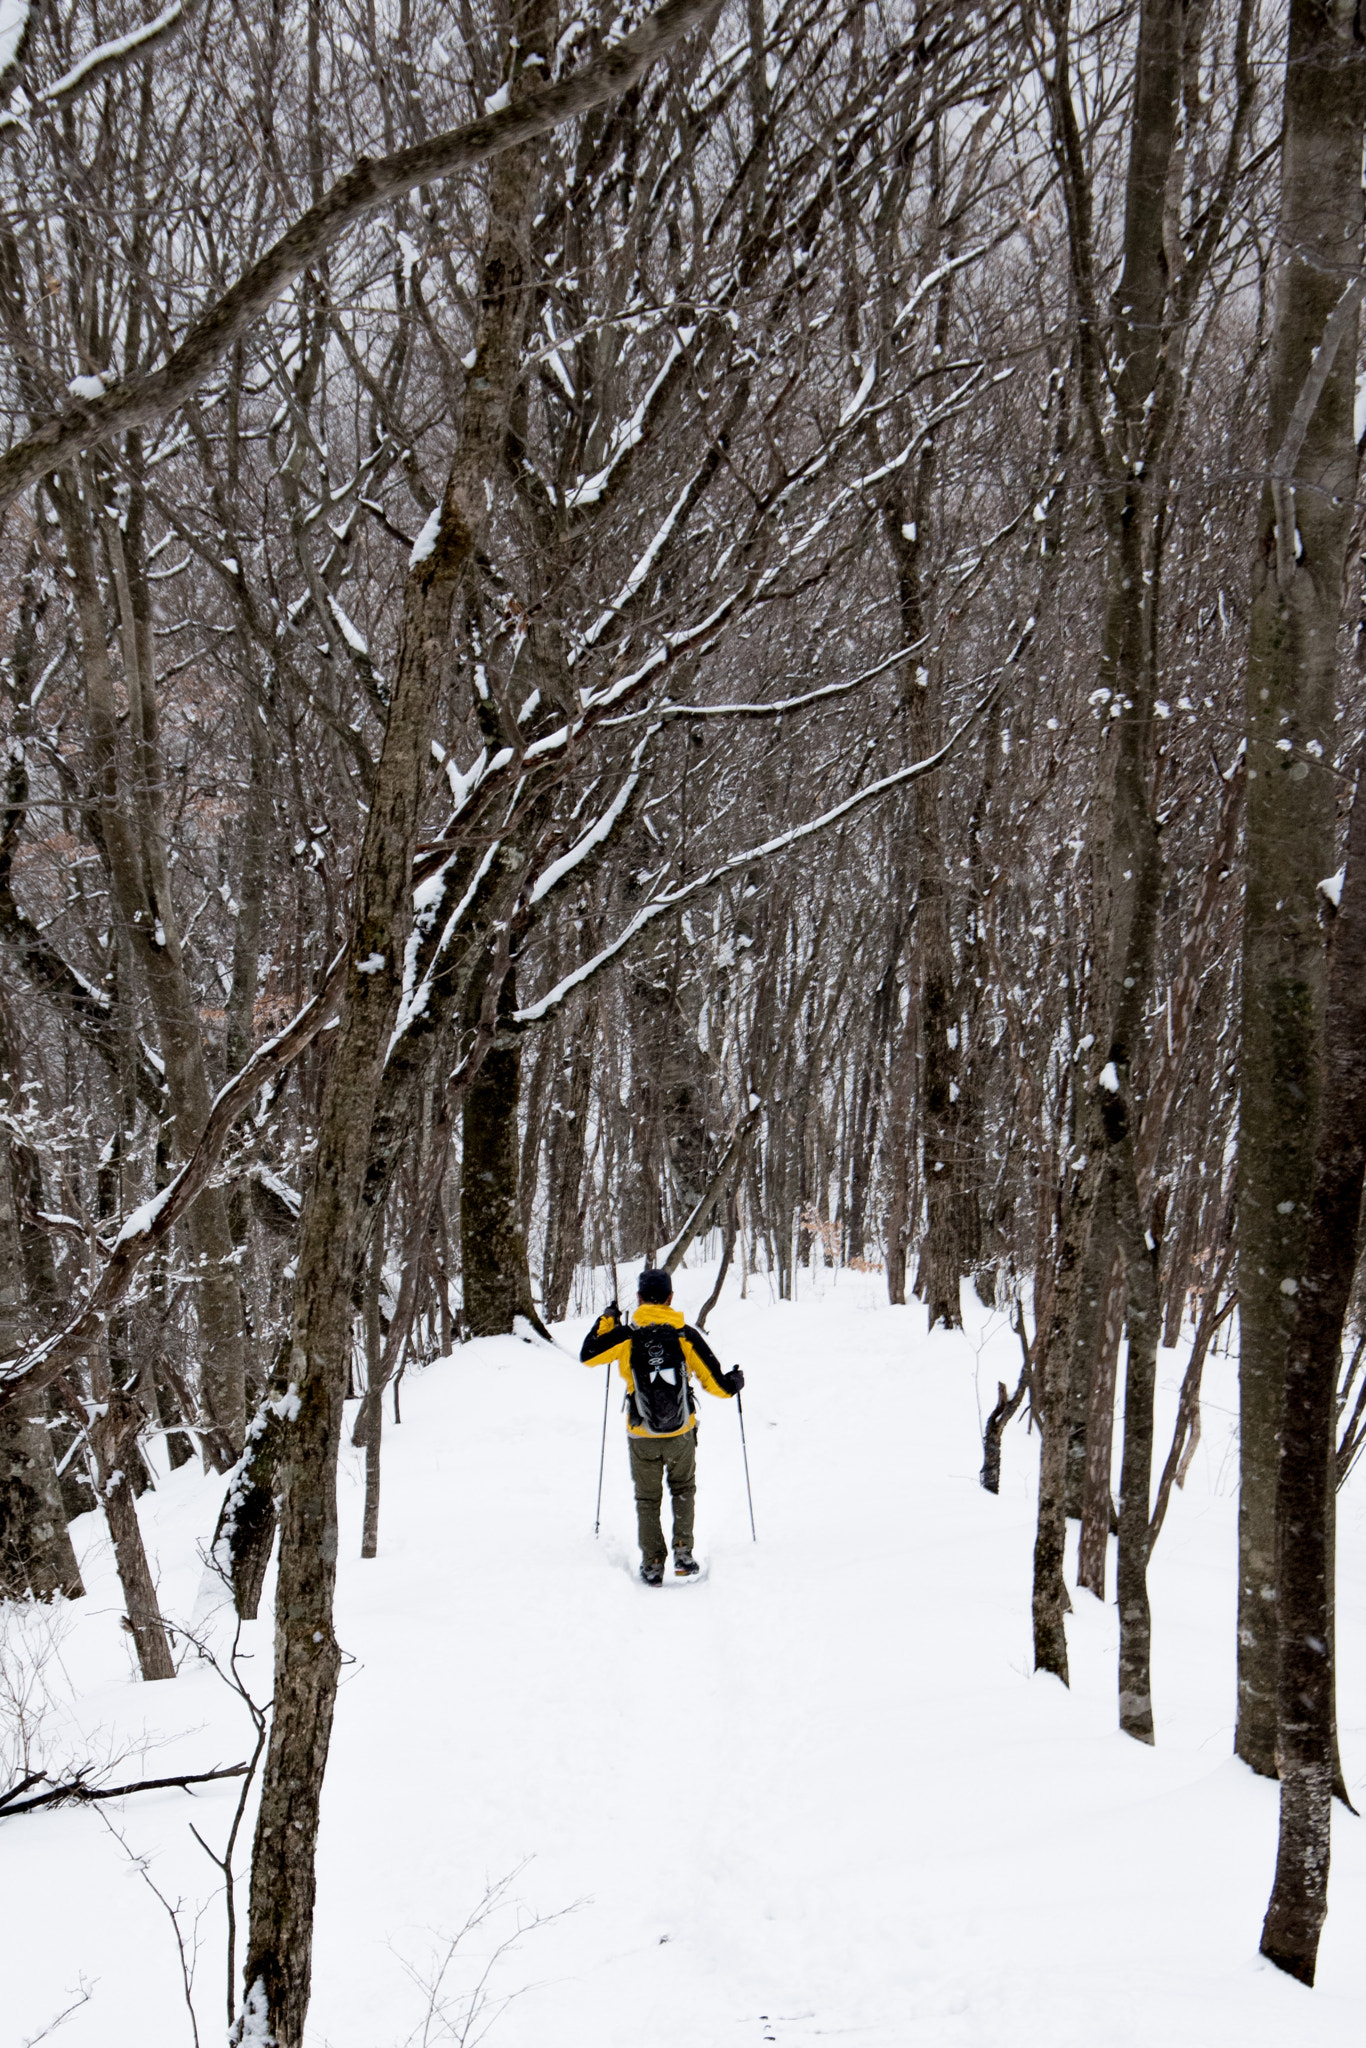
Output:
(662, 1401)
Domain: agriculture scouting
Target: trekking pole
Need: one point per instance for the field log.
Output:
(602, 1458)
(744, 1448)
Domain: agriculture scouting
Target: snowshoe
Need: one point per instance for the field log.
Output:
(685, 1565)
(652, 1573)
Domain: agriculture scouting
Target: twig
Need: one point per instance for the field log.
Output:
(172, 1912)
(83, 1995)
(233, 1677)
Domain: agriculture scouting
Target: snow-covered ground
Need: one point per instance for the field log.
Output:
(819, 1794)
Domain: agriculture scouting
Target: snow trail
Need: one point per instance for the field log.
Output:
(818, 1796)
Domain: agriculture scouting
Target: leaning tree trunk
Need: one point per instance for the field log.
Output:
(1307, 516)
(278, 1967)
(1308, 1461)
(114, 1443)
(279, 1954)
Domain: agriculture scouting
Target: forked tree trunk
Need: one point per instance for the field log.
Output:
(1307, 516)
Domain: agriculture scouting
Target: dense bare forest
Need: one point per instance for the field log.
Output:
(745, 621)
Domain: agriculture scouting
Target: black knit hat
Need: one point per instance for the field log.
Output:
(655, 1285)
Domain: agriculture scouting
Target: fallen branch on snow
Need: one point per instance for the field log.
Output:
(76, 1792)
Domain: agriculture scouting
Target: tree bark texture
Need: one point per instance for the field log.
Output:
(1052, 1351)
(1143, 1318)
(952, 1240)
(1291, 672)
(114, 1427)
(1093, 1542)
(130, 1556)
(36, 1556)
(1307, 1474)
(1089, 1342)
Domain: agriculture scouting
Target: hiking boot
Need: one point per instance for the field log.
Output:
(685, 1565)
(652, 1571)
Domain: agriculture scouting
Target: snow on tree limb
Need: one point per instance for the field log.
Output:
(780, 706)
(673, 899)
(99, 63)
(36, 1367)
(368, 185)
(16, 26)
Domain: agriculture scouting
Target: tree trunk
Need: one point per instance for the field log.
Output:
(35, 1545)
(307, 1659)
(1143, 1321)
(126, 823)
(35, 1548)
(139, 1593)
(278, 1965)
(113, 1440)
(369, 1424)
(1306, 1479)
(493, 1255)
(1093, 1543)
(1088, 1349)
(1291, 671)
(732, 1225)
(1051, 1352)
(1131, 450)
(566, 1157)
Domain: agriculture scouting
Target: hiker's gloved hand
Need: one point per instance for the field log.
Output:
(613, 1310)
(733, 1380)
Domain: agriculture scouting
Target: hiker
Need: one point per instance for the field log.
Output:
(657, 1353)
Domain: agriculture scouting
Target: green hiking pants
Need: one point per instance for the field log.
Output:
(651, 1458)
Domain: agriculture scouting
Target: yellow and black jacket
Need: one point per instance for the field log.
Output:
(657, 1354)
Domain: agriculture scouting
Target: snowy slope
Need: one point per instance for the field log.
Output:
(818, 1795)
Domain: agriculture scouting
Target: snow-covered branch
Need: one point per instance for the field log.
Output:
(673, 899)
(152, 1222)
(99, 63)
(370, 184)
